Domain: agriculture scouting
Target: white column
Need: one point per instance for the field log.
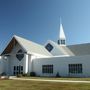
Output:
(31, 57)
(5, 65)
(26, 63)
(30, 64)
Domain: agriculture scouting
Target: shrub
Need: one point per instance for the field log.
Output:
(24, 75)
(57, 75)
(19, 75)
(3, 74)
(32, 74)
(28, 75)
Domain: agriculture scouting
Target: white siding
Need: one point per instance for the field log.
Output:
(13, 61)
(61, 65)
(3, 65)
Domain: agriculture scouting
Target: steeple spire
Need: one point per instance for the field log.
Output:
(62, 37)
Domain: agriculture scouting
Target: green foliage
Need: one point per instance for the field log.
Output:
(57, 75)
(24, 75)
(32, 74)
(19, 75)
(3, 74)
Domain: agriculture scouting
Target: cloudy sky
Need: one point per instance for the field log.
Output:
(38, 20)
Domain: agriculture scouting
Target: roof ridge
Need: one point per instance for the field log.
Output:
(78, 44)
(27, 40)
(27, 44)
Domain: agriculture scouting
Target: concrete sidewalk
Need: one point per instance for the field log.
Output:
(47, 80)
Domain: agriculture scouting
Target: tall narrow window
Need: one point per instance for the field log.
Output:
(62, 41)
(14, 68)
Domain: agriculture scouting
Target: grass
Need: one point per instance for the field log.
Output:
(35, 85)
(53, 78)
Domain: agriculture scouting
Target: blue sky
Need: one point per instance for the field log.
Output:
(38, 20)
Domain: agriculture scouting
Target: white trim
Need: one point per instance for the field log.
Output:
(26, 63)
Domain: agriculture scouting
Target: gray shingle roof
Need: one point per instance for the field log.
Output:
(63, 50)
(80, 49)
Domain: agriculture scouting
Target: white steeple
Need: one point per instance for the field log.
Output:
(62, 37)
(62, 34)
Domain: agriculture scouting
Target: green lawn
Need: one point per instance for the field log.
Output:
(52, 78)
(35, 85)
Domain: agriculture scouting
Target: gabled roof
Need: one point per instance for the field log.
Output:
(29, 46)
(80, 49)
(59, 50)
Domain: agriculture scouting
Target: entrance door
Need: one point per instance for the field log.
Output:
(17, 70)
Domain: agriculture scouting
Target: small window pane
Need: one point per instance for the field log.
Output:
(14, 73)
(17, 67)
(62, 41)
(14, 68)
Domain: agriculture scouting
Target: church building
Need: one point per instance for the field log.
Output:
(22, 56)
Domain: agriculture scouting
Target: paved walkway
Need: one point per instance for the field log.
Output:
(47, 80)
